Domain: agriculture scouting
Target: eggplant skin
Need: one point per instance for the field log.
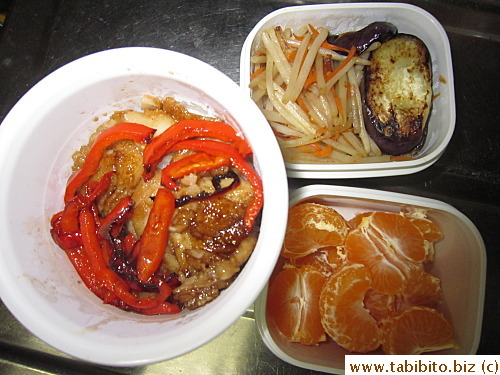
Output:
(362, 39)
(398, 94)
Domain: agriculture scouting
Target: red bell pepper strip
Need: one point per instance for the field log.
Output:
(155, 235)
(128, 244)
(194, 163)
(113, 222)
(66, 239)
(237, 161)
(92, 247)
(83, 267)
(186, 129)
(164, 291)
(65, 228)
(124, 130)
(96, 188)
(162, 308)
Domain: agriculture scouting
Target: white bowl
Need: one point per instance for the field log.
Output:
(339, 18)
(459, 262)
(37, 138)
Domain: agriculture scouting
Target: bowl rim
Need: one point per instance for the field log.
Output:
(270, 167)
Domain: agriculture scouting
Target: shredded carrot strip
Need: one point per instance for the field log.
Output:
(311, 78)
(316, 149)
(349, 57)
(300, 102)
(291, 56)
(339, 105)
(306, 148)
(442, 79)
(257, 72)
(320, 131)
(325, 44)
(313, 30)
(333, 47)
(324, 152)
(436, 96)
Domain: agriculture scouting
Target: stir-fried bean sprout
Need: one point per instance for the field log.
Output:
(309, 91)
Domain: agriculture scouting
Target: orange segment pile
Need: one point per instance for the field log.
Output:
(364, 282)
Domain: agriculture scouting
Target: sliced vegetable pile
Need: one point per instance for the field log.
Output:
(126, 266)
(337, 98)
(363, 283)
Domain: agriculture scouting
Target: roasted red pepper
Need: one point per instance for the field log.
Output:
(81, 262)
(111, 262)
(222, 149)
(94, 251)
(155, 235)
(186, 129)
(113, 222)
(124, 130)
(65, 228)
(164, 307)
(194, 163)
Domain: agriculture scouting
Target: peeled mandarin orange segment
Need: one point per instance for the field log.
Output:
(401, 234)
(386, 277)
(325, 260)
(343, 314)
(428, 228)
(356, 220)
(423, 289)
(380, 305)
(293, 304)
(417, 330)
(312, 226)
(335, 256)
(390, 246)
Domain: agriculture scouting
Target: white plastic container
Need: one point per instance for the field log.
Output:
(38, 284)
(460, 263)
(339, 18)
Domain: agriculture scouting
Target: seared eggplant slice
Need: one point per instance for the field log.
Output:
(362, 39)
(398, 94)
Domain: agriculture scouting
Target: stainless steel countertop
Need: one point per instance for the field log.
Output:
(40, 36)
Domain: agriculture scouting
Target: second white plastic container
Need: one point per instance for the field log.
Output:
(340, 18)
(460, 263)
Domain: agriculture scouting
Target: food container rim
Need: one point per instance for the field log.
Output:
(362, 170)
(324, 190)
(14, 277)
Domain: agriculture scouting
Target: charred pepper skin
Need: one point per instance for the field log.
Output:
(112, 263)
